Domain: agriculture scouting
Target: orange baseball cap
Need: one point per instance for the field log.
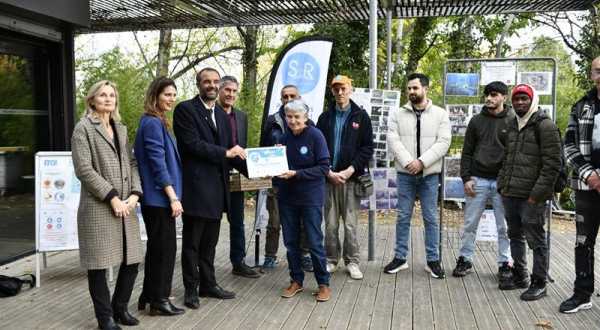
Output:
(340, 79)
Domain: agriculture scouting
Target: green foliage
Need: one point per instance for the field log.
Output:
(589, 43)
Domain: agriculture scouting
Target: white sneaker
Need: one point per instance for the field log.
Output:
(354, 272)
(331, 268)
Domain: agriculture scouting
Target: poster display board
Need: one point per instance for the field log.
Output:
(378, 103)
(385, 195)
(453, 185)
(57, 191)
(486, 231)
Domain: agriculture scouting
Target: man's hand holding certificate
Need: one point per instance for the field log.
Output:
(266, 162)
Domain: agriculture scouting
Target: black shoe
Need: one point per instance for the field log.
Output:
(504, 272)
(537, 290)
(191, 299)
(516, 281)
(574, 304)
(463, 267)
(245, 270)
(142, 302)
(123, 317)
(307, 264)
(395, 266)
(108, 323)
(164, 307)
(216, 292)
(435, 269)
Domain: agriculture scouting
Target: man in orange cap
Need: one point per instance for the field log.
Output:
(349, 134)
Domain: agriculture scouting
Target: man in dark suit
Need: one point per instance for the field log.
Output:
(206, 150)
(228, 92)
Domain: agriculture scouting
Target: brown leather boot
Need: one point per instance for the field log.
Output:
(324, 293)
(292, 290)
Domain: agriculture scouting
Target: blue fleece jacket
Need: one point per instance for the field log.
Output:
(308, 155)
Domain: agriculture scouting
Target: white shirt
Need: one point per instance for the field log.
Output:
(214, 119)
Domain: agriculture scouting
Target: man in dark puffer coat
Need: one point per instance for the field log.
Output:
(526, 181)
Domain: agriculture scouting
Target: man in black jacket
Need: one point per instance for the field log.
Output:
(228, 92)
(207, 150)
(349, 134)
(526, 180)
(582, 149)
(482, 155)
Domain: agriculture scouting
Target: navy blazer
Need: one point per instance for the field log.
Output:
(158, 161)
(202, 147)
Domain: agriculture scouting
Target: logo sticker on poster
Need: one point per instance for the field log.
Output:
(302, 71)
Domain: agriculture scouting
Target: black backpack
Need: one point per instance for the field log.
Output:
(11, 286)
(562, 179)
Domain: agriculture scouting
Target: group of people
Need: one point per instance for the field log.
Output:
(512, 156)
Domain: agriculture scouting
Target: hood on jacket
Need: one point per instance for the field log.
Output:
(522, 121)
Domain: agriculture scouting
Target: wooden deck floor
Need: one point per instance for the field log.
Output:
(409, 299)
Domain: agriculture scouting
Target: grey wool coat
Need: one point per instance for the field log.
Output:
(97, 167)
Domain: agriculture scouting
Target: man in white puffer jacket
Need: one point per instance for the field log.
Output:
(418, 138)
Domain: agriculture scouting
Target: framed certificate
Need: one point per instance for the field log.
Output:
(270, 161)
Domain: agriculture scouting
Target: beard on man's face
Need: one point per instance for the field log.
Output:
(204, 94)
(415, 98)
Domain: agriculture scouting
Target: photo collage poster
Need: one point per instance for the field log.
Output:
(467, 84)
(385, 195)
(453, 185)
(378, 103)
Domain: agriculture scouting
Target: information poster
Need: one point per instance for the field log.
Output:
(504, 71)
(57, 200)
(378, 103)
(385, 196)
(57, 192)
(453, 185)
(486, 231)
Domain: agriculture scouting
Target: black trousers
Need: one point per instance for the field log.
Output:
(587, 221)
(160, 252)
(237, 238)
(526, 225)
(200, 238)
(101, 295)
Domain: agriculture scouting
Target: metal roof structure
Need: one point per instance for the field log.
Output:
(140, 15)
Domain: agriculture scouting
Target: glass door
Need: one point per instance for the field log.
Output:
(24, 130)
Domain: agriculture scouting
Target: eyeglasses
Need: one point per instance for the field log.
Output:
(288, 96)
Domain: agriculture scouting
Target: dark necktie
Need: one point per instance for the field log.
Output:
(210, 117)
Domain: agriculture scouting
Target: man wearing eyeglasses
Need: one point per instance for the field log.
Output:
(274, 128)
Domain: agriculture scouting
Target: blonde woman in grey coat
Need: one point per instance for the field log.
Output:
(108, 225)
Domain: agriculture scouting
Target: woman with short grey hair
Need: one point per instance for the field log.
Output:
(301, 196)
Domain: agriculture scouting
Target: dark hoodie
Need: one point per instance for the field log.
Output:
(484, 149)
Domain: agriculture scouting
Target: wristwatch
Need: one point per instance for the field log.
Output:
(173, 200)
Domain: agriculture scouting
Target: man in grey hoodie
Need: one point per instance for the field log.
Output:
(482, 156)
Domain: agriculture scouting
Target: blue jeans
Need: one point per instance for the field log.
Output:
(427, 188)
(484, 189)
(311, 216)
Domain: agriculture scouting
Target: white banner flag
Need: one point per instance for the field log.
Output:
(304, 64)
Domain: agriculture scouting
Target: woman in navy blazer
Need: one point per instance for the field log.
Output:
(160, 173)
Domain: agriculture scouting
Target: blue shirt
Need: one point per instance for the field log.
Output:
(307, 154)
(340, 120)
